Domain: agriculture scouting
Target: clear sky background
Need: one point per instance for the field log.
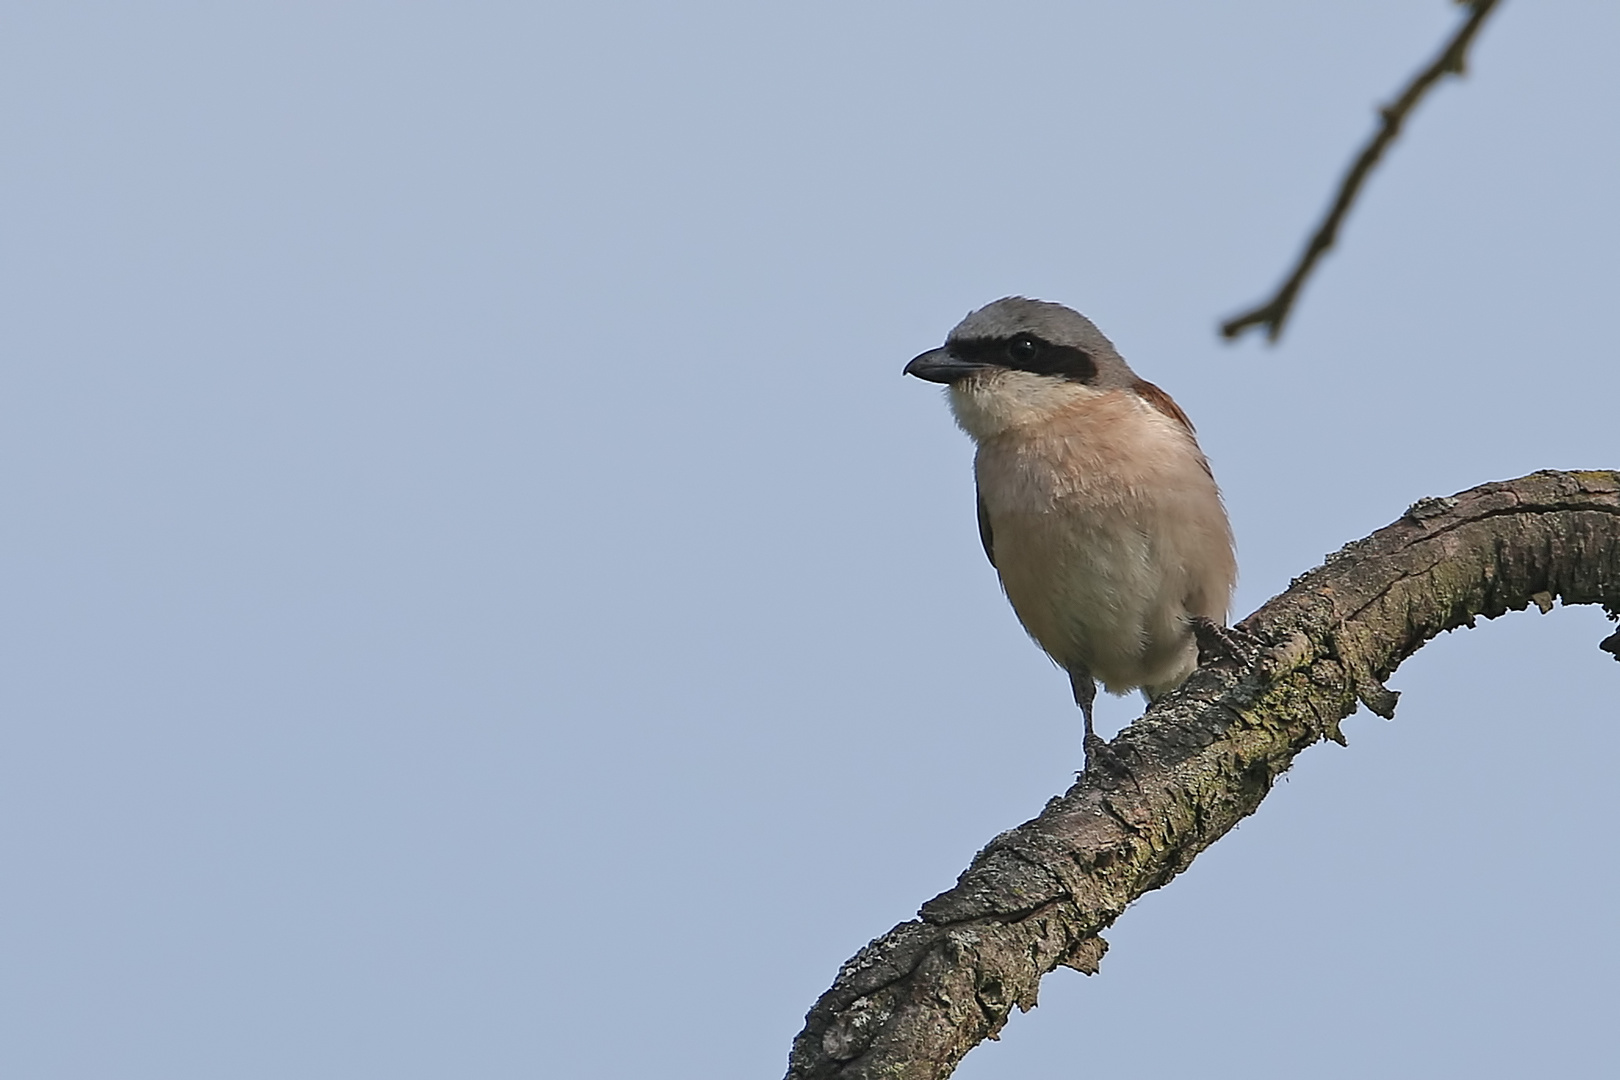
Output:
(478, 598)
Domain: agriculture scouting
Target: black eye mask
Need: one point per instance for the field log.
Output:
(1026, 352)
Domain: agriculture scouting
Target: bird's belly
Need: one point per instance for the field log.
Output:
(1109, 536)
(1095, 593)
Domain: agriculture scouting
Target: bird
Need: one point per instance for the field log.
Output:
(1097, 508)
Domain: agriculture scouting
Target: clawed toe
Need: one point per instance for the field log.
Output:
(1217, 642)
(1102, 756)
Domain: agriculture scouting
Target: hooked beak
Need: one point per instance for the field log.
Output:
(939, 365)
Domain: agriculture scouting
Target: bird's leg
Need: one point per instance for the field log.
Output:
(1217, 642)
(1085, 693)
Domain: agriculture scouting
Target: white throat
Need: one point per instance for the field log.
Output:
(995, 402)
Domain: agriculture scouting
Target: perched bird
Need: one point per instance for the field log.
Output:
(1096, 506)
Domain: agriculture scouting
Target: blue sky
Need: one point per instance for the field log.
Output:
(479, 599)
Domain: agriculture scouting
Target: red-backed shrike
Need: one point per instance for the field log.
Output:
(1096, 506)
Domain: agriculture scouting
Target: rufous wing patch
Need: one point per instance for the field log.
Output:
(1163, 402)
(1166, 404)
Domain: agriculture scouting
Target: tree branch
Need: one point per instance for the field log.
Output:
(910, 1004)
(1452, 59)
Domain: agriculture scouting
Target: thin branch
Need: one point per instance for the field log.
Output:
(912, 1003)
(1452, 60)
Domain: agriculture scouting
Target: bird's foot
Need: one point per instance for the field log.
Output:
(1101, 756)
(1217, 642)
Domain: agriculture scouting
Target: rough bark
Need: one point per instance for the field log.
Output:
(913, 1002)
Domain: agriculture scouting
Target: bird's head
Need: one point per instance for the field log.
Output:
(1018, 361)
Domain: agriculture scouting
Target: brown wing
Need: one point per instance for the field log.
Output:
(1162, 401)
(985, 537)
(1167, 405)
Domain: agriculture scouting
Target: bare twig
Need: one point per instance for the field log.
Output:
(912, 1003)
(1451, 61)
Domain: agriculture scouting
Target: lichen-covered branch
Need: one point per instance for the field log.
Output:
(1450, 61)
(910, 1004)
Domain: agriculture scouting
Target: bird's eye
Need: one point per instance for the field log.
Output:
(1023, 348)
